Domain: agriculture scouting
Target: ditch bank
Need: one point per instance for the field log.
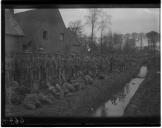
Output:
(115, 106)
(146, 101)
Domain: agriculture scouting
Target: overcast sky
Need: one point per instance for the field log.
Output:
(124, 20)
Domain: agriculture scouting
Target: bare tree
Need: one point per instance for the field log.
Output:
(104, 23)
(76, 27)
(91, 19)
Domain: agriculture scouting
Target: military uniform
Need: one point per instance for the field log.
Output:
(8, 70)
(54, 70)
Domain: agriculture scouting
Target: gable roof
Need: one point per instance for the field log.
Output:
(11, 25)
(46, 15)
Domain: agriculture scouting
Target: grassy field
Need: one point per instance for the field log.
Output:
(146, 101)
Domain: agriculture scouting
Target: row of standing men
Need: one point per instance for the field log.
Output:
(55, 68)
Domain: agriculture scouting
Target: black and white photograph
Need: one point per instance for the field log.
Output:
(81, 62)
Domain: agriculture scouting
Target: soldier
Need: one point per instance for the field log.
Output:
(50, 68)
(53, 71)
(74, 66)
(111, 63)
(68, 69)
(79, 67)
(86, 65)
(59, 69)
(34, 67)
(95, 66)
(63, 70)
(7, 70)
(23, 68)
(46, 66)
(17, 68)
(12, 68)
(20, 68)
(66, 64)
(93, 62)
(39, 66)
(57, 66)
(27, 69)
(42, 67)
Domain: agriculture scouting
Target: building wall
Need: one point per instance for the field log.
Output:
(35, 22)
(12, 44)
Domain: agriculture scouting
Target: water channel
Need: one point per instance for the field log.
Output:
(116, 105)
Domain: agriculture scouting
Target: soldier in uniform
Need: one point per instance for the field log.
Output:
(93, 66)
(53, 73)
(46, 65)
(63, 69)
(12, 68)
(28, 69)
(50, 68)
(86, 65)
(111, 63)
(39, 66)
(34, 67)
(57, 66)
(68, 72)
(74, 66)
(59, 69)
(7, 70)
(17, 68)
(42, 67)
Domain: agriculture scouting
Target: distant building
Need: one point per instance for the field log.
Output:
(13, 33)
(128, 41)
(141, 41)
(135, 40)
(44, 29)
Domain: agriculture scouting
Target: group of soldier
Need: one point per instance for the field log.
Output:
(56, 70)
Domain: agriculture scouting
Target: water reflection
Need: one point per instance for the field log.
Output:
(116, 105)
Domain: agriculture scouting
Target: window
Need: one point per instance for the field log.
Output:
(62, 36)
(45, 35)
